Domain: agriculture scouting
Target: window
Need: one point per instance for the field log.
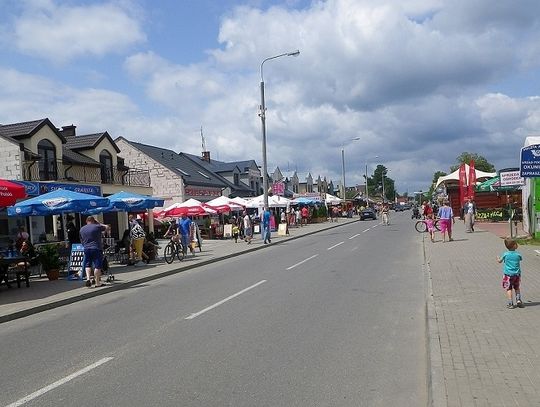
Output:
(107, 174)
(47, 162)
(204, 175)
(183, 172)
(236, 179)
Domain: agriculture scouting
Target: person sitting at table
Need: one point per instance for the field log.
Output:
(27, 250)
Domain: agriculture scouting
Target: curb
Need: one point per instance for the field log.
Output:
(435, 376)
(120, 286)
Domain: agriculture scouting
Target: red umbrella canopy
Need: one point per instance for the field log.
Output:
(191, 207)
(10, 192)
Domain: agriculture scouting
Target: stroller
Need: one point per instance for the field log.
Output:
(109, 250)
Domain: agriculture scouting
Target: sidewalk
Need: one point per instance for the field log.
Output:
(481, 353)
(43, 294)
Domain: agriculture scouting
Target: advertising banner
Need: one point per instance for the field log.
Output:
(530, 161)
(462, 184)
(511, 179)
(472, 179)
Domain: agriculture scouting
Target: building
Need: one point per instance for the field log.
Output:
(44, 158)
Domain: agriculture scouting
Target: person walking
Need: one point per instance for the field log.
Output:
(511, 272)
(92, 242)
(137, 235)
(385, 214)
(266, 225)
(446, 216)
(248, 228)
(186, 233)
(469, 212)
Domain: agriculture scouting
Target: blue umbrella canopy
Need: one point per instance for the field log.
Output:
(57, 202)
(129, 202)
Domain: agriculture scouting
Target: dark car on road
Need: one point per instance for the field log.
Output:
(368, 213)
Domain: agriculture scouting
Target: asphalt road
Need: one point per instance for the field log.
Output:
(332, 319)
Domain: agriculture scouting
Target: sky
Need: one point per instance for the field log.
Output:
(406, 84)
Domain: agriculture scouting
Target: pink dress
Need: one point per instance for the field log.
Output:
(430, 225)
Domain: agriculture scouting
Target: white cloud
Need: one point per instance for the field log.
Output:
(415, 80)
(60, 33)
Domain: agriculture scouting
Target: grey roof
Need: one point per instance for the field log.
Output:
(24, 130)
(89, 141)
(222, 166)
(216, 167)
(76, 158)
(181, 165)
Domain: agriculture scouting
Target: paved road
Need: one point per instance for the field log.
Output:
(332, 319)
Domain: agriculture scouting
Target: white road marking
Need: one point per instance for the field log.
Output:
(302, 262)
(352, 237)
(367, 230)
(537, 251)
(60, 382)
(217, 304)
(334, 246)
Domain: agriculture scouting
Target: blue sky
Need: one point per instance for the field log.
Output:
(418, 82)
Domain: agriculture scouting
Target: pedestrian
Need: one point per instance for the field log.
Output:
(235, 232)
(186, 233)
(72, 231)
(248, 228)
(137, 235)
(428, 210)
(469, 212)
(92, 242)
(266, 223)
(430, 224)
(511, 272)
(283, 217)
(305, 215)
(298, 217)
(446, 216)
(21, 237)
(384, 211)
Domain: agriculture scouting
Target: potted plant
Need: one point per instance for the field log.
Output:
(50, 260)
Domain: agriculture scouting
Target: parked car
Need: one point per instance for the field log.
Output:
(399, 208)
(368, 213)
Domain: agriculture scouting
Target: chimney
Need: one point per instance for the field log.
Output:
(206, 156)
(68, 131)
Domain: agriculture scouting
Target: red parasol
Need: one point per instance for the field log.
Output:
(10, 192)
(191, 207)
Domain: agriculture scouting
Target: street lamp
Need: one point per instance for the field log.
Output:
(343, 189)
(262, 114)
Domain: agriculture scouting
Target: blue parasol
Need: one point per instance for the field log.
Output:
(57, 202)
(129, 202)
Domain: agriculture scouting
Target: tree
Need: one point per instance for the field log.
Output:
(375, 183)
(435, 178)
(480, 163)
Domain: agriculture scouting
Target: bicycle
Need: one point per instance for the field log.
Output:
(421, 225)
(173, 249)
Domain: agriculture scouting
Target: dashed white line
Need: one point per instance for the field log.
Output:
(58, 383)
(334, 246)
(217, 304)
(352, 237)
(302, 262)
(367, 230)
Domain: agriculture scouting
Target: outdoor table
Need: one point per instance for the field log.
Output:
(6, 261)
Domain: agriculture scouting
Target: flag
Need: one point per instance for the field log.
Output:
(472, 179)
(462, 184)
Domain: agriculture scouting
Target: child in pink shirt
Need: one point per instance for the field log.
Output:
(430, 226)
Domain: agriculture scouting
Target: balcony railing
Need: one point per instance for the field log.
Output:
(60, 171)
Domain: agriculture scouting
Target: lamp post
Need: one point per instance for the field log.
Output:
(343, 189)
(262, 114)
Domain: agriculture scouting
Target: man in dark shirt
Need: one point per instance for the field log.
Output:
(93, 249)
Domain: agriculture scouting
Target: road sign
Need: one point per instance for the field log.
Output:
(278, 188)
(530, 161)
(511, 179)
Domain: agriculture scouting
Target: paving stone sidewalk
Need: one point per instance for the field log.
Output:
(43, 294)
(482, 354)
